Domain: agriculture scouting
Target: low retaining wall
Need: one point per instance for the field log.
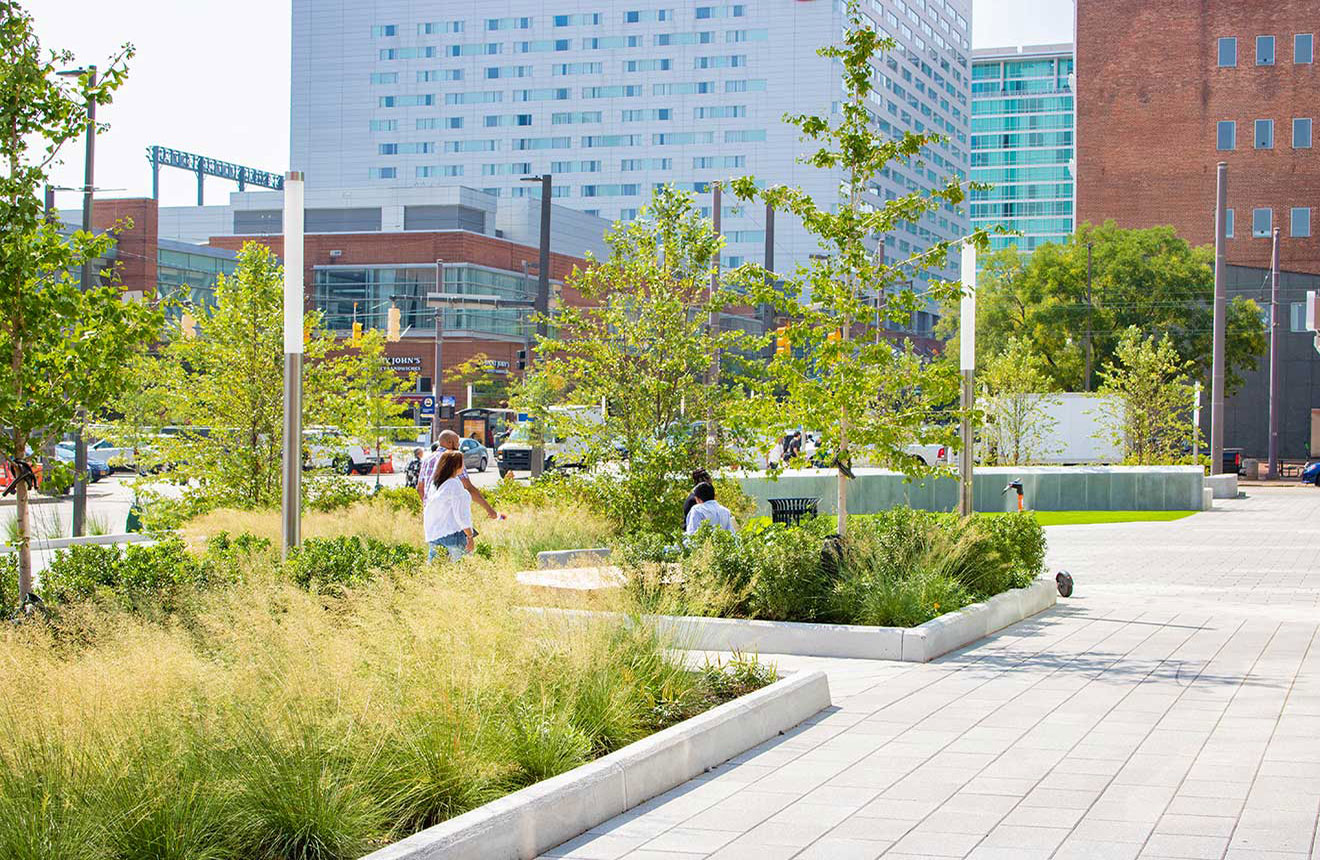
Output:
(572, 557)
(1046, 488)
(528, 822)
(919, 644)
(1225, 486)
(65, 543)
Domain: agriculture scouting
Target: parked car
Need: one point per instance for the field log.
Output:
(9, 471)
(476, 456)
(97, 468)
(324, 447)
(1311, 473)
(1233, 464)
(114, 456)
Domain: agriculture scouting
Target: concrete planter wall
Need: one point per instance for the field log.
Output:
(1047, 488)
(919, 644)
(526, 823)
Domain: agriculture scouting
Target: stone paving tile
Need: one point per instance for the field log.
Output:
(1170, 709)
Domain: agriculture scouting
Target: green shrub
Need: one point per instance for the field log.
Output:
(544, 741)
(1020, 538)
(132, 574)
(331, 492)
(161, 514)
(333, 564)
(8, 584)
(401, 499)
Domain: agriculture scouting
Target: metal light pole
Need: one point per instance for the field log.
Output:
(542, 304)
(1274, 358)
(1221, 312)
(291, 496)
(1196, 423)
(437, 356)
(85, 283)
(967, 364)
(713, 324)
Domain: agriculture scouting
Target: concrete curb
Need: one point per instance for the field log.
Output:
(65, 543)
(537, 818)
(909, 644)
(1225, 486)
(594, 556)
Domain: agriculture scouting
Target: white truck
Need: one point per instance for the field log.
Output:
(1075, 433)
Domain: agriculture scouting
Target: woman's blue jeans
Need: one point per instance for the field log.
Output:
(455, 544)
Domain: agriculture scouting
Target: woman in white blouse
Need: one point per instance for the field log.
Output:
(448, 513)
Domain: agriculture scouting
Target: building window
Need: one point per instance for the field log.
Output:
(1297, 317)
(1227, 52)
(1303, 48)
(1228, 223)
(1302, 133)
(1264, 134)
(385, 30)
(384, 125)
(382, 172)
(1261, 222)
(1227, 135)
(1264, 50)
(384, 77)
(1301, 222)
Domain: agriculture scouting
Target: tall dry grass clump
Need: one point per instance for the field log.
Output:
(277, 723)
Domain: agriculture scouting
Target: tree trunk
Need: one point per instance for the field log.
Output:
(24, 545)
(842, 527)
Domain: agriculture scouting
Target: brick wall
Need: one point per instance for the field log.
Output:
(1149, 95)
(135, 262)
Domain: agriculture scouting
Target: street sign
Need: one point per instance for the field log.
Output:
(428, 406)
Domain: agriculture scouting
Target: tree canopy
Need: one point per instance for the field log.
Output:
(1148, 278)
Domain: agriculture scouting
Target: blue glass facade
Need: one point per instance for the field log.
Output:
(1023, 144)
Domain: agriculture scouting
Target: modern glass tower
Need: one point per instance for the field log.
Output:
(615, 97)
(1023, 143)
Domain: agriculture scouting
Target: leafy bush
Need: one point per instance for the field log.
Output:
(8, 584)
(333, 564)
(131, 574)
(162, 514)
(327, 493)
(897, 568)
(400, 499)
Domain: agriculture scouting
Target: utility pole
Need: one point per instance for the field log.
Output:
(1221, 312)
(967, 364)
(291, 496)
(767, 311)
(1274, 357)
(80, 440)
(713, 325)
(1090, 325)
(437, 356)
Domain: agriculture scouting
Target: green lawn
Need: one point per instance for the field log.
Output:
(1080, 518)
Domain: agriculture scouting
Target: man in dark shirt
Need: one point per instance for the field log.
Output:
(700, 476)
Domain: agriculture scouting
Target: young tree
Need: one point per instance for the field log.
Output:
(868, 397)
(644, 346)
(1148, 278)
(61, 349)
(492, 388)
(366, 403)
(1015, 403)
(1152, 418)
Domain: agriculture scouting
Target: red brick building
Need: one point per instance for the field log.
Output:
(1154, 83)
(1166, 91)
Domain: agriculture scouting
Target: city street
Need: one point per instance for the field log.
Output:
(1169, 709)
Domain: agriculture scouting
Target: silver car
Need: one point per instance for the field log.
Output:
(475, 455)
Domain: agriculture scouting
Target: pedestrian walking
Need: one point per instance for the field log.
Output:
(447, 515)
(699, 476)
(413, 473)
(446, 442)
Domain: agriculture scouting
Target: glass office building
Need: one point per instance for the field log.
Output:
(614, 100)
(1024, 144)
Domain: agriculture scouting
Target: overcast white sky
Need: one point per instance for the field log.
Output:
(213, 77)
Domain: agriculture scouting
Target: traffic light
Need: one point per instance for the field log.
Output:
(522, 359)
(357, 334)
(782, 344)
(393, 325)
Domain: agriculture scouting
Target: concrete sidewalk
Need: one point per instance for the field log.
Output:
(1170, 709)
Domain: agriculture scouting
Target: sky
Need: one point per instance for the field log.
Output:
(212, 77)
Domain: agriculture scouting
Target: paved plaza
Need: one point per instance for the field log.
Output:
(1169, 709)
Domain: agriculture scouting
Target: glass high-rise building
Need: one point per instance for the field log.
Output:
(1024, 144)
(616, 97)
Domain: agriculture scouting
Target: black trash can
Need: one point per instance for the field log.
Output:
(792, 510)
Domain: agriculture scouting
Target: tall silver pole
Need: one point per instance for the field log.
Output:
(1221, 312)
(1274, 358)
(537, 464)
(85, 284)
(291, 497)
(713, 325)
(438, 353)
(967, 364)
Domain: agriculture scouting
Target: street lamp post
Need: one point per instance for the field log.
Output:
(438, 353)
(291, 496)
(85, 283)
(542, 303)
(967, 364)
(1274, 358)
(1220, 322)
